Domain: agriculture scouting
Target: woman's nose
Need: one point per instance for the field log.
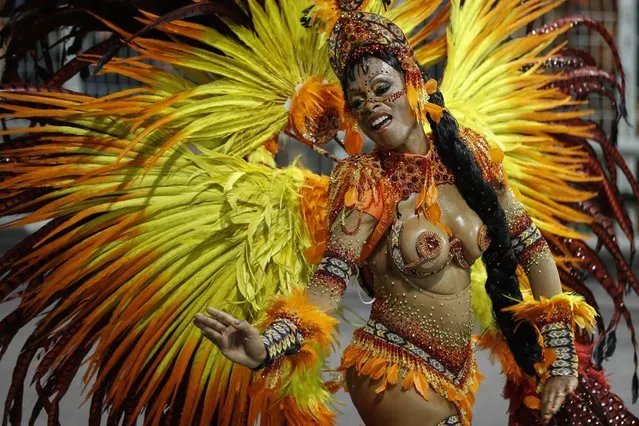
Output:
(372, 105)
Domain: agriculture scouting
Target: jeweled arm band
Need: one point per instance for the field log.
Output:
(280, 338)
(334, 272)
(559, 337)
(555, 319)
(527, 242)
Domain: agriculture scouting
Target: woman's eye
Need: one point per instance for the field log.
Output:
(355, 103)
(381, 89)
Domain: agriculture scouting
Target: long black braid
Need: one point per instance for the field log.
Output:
(502, 284)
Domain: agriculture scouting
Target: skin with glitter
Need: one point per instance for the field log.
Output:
(431, 305)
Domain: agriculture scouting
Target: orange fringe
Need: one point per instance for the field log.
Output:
(353, 141)
(531, 310)
(500, 351)
(314, 207)
(373, 359)
(317, 327)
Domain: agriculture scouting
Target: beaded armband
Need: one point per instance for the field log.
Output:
(293, 326)
(335, 270)
(292, 385)
(280, 338)
(527, 242)
(559, 337)
(555, 320)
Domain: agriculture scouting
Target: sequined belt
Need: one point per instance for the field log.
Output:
(382, 332)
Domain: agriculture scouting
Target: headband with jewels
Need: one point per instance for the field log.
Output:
(355, 34)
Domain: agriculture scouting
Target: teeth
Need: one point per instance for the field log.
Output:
(379, 121)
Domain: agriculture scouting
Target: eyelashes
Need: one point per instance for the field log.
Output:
(378, 90)
(356, 104)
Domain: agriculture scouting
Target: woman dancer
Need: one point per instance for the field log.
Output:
(166, 199)
(418, 212)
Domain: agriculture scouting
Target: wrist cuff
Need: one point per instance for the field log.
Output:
(280, 338)
(555, 320)
(559, 338)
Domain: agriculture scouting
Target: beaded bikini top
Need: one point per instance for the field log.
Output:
(413, 173)
(376, 183)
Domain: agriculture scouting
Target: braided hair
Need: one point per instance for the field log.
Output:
(502, 284)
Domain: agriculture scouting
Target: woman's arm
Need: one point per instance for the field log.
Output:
(530, 247)
(347, 237)
(301, 317)
(554, 321)
(290, 319)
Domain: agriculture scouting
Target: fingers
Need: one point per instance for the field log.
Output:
(557, 401)
(572, 386)
(248, 330)
(211, 333)
(220, 325)
(223, 317)
(202, 321)
(231, 321)
(547, 399)
(554, 395)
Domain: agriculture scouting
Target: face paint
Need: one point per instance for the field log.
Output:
(392, 98)
(377, 99)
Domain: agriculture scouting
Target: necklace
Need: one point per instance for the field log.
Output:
(408, 173)
(411, 173)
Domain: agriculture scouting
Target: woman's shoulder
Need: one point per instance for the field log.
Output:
(488, 159)
(361, 163)
(355, 183)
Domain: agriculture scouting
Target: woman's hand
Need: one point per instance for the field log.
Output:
(555, 391)
(237, 340)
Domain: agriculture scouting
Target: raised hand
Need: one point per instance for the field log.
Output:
(555, 391)
(237, 340)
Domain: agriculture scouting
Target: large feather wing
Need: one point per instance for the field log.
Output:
(75, 27)
(150, 221)
(231, 91)
(128, 258)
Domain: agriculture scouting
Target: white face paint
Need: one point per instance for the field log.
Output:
(377, 98)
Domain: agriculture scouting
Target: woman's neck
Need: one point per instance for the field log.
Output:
(416, 142)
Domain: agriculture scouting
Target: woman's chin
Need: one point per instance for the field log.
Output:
(386, 141)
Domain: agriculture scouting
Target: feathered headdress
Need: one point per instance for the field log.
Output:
(354, 34)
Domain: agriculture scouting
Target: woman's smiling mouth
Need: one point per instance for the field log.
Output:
(380, 122)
